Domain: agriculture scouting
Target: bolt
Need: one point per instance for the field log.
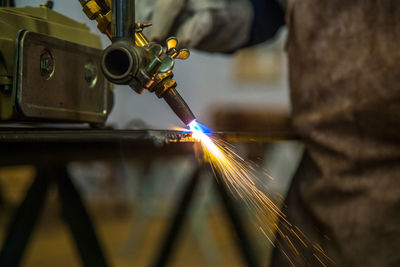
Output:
(47, 64)
(91, 74)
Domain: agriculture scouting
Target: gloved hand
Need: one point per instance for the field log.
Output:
(210, 25)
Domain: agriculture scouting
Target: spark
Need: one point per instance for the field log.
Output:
(241, 177)
(199, 135)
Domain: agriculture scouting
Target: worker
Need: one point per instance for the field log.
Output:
(344, 63)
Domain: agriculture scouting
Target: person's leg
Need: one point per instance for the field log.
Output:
(352, 216)
(302, 222)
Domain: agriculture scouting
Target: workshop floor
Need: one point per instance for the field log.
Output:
(52, 245)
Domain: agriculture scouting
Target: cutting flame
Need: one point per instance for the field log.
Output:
(199, 135)
(241, 177)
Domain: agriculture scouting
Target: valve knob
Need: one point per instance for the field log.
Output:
(174, 52)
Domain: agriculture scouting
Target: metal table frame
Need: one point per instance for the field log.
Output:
(39, 147)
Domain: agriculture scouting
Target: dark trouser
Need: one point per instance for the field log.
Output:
(356, 222)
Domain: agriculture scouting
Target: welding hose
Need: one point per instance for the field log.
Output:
(179, 106)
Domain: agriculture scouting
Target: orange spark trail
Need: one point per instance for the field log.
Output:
(241, 178)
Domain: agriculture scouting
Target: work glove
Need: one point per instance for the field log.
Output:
(209, 25)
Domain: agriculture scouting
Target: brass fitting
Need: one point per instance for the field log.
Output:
(91, 9)
(102, 14)
(104, 23)
(140, 38)
(164, 86)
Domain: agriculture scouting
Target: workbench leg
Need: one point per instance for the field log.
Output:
(243, 242)
(79, 222)
(25, 220)
(177, 221)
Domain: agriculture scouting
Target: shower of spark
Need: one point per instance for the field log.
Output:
(241, 177)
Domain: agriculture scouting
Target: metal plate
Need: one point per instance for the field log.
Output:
(60, 80)
(39, 145)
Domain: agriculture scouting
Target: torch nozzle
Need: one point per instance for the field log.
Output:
(179, 106)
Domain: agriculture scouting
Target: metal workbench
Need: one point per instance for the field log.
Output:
(50, 150)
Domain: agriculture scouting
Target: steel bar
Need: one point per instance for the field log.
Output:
(243, 242)
(181, 212)
(25, 220)
(79, 222)
(33, 146)
(160, 136)
(38, 146)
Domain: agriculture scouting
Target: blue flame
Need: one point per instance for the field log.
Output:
(196, 126)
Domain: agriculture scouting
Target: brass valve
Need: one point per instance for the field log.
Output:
(163, 80)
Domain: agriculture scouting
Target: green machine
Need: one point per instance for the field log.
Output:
(50, 69)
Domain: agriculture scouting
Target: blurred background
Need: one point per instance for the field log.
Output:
(132, 201)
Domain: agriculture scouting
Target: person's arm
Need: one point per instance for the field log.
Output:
(269, 17)
(212, 25)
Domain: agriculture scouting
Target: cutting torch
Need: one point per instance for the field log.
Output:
(132, 59)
